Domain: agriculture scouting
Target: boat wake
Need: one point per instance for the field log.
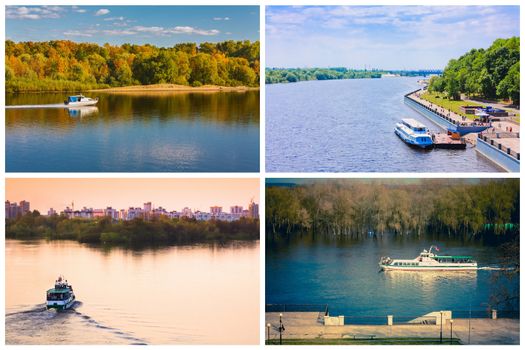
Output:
(37, 325)
(54, 105)
(495, 268)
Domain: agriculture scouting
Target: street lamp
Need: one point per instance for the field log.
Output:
(268, 325)
(281, 329)
(451, 321)
(441, 328)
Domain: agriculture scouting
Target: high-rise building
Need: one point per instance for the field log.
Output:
(24, 207)
(254, 210)
(215, 210)
(13, 210)
(51, 212)
(236, 209)
(147, 207)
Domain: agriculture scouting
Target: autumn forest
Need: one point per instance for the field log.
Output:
(68, 66)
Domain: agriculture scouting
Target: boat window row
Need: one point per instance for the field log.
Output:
(57, 296)
(402, 263)
(454, 260)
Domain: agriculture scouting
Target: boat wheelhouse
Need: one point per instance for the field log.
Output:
(61, 297)
(413, 133)
(80, 100)
(429, 261)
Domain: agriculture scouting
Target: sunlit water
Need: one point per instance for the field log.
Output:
(203, 294)
(153, 132)
(348, 126)
(345, 275)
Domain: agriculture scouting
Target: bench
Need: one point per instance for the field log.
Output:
(360, 336)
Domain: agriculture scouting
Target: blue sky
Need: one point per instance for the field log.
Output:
(388, 37)
(157, 25)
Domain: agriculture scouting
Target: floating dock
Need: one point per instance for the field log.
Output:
(448, 141)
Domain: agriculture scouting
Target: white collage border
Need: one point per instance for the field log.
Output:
(262, 175)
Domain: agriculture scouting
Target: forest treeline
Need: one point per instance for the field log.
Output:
(352, 209)
(293, 75)
(492, 73)
(133, 233)
(68, 66)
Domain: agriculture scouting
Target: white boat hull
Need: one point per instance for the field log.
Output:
(81, 104)
(429, 268)
(61, 304)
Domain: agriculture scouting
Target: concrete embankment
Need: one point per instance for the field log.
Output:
(500, 143)
(308, 325)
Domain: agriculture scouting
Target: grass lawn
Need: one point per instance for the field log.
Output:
(440, 99)
(444, 102)
(379, 341)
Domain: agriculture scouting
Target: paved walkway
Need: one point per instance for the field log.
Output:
(306, 325)
(504, 132)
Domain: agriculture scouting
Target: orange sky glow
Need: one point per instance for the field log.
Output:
(172, 194)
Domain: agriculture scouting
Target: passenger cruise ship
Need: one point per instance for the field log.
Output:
(414, 133)
(429, 261)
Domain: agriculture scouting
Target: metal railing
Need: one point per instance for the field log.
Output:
(321, 308)
(491, 139)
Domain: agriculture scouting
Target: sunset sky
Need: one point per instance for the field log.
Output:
(172, 194)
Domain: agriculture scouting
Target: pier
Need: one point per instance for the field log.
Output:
(306, 327)
(500, 143)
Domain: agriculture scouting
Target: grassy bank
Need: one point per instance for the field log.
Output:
(377, 341)
(440, 99)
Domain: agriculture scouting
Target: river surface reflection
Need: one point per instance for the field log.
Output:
(201, 294)
(147, 132)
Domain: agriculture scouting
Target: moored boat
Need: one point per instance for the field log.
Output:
(413, 133)
(429, 261)
(80, 100)
(61, 297)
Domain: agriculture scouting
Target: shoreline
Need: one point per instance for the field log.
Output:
(175, 88)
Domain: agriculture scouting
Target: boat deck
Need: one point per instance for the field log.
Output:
(442, 140)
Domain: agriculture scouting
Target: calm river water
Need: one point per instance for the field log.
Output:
(204, 294)
(153, 132)
(348, 126)
(345, 276)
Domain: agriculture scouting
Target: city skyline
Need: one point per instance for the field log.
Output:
(383, 37)
(158, 25)
(173, 194)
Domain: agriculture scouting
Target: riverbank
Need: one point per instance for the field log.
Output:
(306, 326)
(502, 138)
(174, 88)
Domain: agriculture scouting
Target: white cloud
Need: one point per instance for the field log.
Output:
(221, 18)
(119, 32)
(175, 30)
(114, 18)
(78, 10)
(192, 30)
(23, 12)
(77, 33)
(102, 12)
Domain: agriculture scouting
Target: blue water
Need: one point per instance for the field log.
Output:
(156, 132)
(348, 126)
(345, 275)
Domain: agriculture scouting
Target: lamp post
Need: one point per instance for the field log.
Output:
(441, 328)
(451, 322)
(281, 329)
(268, 325)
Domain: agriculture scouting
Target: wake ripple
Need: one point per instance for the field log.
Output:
(24, 322)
